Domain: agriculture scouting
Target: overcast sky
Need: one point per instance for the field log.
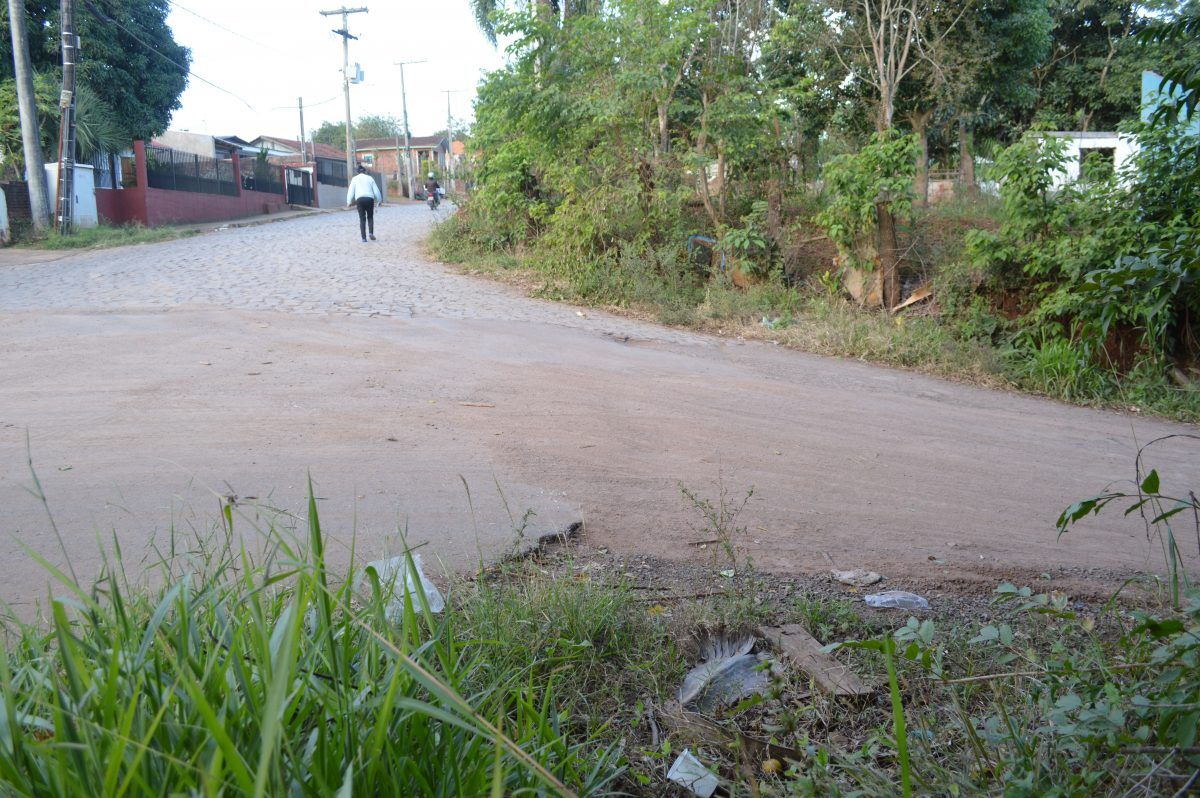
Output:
(269, 52)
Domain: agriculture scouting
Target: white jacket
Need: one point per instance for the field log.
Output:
(363, 186)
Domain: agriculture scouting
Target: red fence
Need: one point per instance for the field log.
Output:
(138, 203)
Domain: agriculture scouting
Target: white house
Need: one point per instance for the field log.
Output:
(1117, 149)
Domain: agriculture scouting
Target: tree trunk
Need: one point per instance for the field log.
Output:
(966, 163)
(702, 173)
(664, 138)
(920, 123)
(723, 189)
(545, 16)
(774, 208)
(889, 255)
(39, 202)
(883, 118)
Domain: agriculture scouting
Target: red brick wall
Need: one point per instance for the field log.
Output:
(173, 207)
(156, 206)
(122, 205)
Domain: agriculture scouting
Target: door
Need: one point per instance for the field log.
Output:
(299, 187)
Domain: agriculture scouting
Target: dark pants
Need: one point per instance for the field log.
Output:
(366, 215)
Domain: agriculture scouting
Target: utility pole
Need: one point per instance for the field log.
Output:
(449, 141)
(407, 135)
(346, 37)
(66, 134)
(34, 168)
(303, 143)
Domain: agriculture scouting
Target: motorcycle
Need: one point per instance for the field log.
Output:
(434, 199)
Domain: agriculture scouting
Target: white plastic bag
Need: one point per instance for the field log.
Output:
(896, 600)
(396, 580)
(688, 771)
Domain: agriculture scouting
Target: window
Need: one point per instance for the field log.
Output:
(368, 159)
(1096, 163)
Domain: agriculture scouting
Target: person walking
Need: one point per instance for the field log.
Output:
(364, 193)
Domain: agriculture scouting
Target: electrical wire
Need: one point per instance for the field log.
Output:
(216, 24)
(187, 69)
(337, 96)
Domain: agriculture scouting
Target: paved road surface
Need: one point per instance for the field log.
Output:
(149, 380)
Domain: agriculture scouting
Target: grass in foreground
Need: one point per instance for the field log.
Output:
(260, 675)
(256, 675)
(105, 236)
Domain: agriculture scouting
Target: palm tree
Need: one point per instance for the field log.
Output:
(547, 10)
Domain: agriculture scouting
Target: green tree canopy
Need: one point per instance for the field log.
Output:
(129, 61)
(369, 126)
(1091, 78)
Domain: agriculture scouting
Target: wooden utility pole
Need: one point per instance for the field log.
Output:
(34, 167)
(303, 143)
(66, 134)
(400, 170)
(344, 32)
(407, 135)
(449, 142)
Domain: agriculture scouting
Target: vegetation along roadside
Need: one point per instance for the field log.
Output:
(760, 173)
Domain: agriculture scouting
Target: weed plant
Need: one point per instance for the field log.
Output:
(259, 674)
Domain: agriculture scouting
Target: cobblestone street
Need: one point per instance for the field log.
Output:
(311, 265)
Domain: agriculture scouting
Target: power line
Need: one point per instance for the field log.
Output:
(308, 105)
(228, 30)
(187, 70)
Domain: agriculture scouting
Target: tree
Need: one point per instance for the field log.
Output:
(133, 63)
(883, 44)
(23, 91)
(377, 126)
(331, 133)
(130, 59)
(370, 126)
(1091, 79)
(982, 71)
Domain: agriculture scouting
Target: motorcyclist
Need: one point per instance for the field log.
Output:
(433, 188)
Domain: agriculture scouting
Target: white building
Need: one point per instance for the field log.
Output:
(1115, 149)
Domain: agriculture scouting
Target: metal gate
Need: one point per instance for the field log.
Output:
(299, 186)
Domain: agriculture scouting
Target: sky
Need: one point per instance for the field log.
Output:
(270, 52)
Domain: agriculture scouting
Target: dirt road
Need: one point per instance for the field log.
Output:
(149, 380)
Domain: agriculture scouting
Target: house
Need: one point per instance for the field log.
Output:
(327, 163)
(287, 151)
(1092, 153)
(1100, 152)
(202, 144)
(428, 154)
